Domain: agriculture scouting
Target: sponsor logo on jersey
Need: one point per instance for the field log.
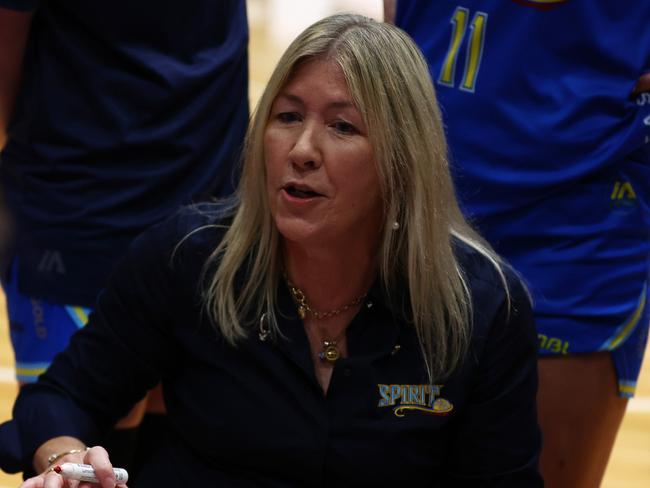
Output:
(643, 99)
(553, 344)
(414, 398)
(623, 195)
(38, 315)
(51, 262)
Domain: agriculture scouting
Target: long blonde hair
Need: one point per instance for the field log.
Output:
(390, 85)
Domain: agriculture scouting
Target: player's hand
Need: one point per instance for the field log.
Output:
(642, 85)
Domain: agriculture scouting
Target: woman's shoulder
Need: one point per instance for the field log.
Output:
(192, 231)
(481, 267)
(495, 287)
(202, 223)
(193, 224)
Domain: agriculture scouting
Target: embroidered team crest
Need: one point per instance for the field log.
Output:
(405, 398)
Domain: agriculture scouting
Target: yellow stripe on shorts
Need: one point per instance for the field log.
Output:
(631, 323)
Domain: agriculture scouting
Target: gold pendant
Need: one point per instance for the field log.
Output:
(302, 312)
(330, 352)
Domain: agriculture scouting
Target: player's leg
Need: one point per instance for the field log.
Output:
(581, 403)
(580, 412)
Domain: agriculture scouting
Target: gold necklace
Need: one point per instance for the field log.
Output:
(330, 351)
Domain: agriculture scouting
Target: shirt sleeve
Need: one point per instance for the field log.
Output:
(110, 364)
(498, 439)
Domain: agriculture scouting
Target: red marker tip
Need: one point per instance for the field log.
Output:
(57, 469)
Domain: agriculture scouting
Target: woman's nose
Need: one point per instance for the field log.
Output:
(306, 152)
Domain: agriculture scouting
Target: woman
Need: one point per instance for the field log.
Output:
(341, 323)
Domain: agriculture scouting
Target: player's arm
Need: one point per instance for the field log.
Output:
(389, 11)
(14, 30)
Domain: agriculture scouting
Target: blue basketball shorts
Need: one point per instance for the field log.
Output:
(39, 329)
(584, 253)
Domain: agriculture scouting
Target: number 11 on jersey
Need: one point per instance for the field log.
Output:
(474, 49)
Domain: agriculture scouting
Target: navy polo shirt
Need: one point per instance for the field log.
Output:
(127, 110)
(255, 415)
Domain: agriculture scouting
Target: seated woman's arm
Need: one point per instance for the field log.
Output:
(69, 450)
(110, 364)
(498, 438)
(58, 450)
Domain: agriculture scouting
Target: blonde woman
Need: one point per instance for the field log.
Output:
(340, 323)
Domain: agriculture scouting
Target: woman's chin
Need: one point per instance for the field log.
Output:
(299, 231)
(296, 234)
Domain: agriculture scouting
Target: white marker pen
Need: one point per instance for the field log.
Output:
(85, 472)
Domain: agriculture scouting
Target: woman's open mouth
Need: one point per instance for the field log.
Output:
(300, 192)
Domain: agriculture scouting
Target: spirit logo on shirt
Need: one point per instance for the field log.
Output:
(405, 398)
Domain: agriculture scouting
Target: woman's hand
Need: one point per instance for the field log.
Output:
(96, 456)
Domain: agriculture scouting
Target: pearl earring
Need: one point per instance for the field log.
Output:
(395, 225)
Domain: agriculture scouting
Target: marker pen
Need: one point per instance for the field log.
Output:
(85, 472)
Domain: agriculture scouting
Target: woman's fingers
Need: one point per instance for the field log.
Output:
(53, 480)
(98, 458)
(35, 482)
(49, 479)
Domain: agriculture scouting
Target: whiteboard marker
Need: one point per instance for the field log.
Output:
(85, 472)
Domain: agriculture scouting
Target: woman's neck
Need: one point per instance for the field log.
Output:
(330, 279)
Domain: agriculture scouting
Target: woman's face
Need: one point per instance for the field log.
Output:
(322, 181)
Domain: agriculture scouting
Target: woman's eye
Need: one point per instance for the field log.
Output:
(345, 128)
(288, 117)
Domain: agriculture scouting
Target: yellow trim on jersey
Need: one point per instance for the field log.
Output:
(81, 314)
(30, 371)
(631, 323)
(630, 390)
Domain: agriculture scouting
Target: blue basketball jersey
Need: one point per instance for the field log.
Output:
(550, 153)
(535, 93)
